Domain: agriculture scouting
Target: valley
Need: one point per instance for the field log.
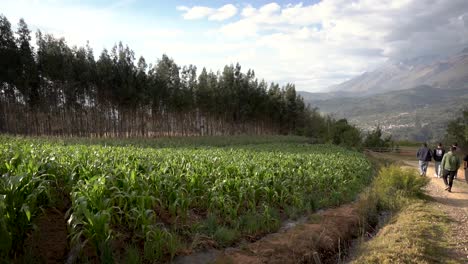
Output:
(386, 98)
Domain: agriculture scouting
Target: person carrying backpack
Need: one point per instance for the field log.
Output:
(438, 154)
(424, 156)
(450, 165)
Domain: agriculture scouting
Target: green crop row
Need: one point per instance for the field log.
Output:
(160, 198)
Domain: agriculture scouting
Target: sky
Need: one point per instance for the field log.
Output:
(313, 44)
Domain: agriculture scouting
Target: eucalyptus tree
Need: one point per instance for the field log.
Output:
(62, 90)
(9, 61)
(27, 80)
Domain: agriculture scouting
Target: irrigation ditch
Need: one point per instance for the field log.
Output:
(333, 235)
(326, 236)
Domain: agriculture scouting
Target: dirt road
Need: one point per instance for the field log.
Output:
(454, 204)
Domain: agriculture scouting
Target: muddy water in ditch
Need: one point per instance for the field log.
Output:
(212, 255)
(352, 250)
(325, 235)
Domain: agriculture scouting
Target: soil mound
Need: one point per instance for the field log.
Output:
(325, 234)
(49, 241)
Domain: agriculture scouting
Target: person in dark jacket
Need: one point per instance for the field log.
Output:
(424, 156)
(438, 154)
(450, 164)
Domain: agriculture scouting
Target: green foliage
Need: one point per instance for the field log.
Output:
(153, 192)
(417, 232)
(132, 255)
(62, 90)
(391, 190)
(408, 143)
(259, 222)
(24, 188)
(457, 130)
(158, 243)
(374, 140)
(340, 132)
(395, 186)
(225, 236)
(179, 142)
(9, 55)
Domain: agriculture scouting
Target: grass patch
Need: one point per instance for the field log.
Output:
(418, 234)
(225, 236)
(132, 256)
(392, 189)
(166, 142)
(395, 187)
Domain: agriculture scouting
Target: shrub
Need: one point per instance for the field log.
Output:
(392, 189)
(395, 186)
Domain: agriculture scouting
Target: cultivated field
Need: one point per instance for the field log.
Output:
(127, 202)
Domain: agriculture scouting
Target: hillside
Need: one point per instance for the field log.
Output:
(444, 73)
(411, 99)
(420, 113)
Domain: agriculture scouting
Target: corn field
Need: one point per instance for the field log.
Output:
(160, 201)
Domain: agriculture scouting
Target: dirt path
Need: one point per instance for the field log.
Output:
(454, 204)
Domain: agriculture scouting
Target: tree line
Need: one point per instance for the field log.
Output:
(457, 130)
(54, 89)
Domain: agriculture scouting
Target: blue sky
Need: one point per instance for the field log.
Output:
(313, 44)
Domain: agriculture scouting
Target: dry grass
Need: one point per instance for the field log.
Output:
(418, 234)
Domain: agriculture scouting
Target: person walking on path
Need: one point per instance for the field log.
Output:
(455, 145)
(450, 165)
(424, 156)
(465, 166)
(438, 154)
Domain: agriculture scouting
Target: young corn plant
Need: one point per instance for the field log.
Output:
(152, 193)
(21, 197)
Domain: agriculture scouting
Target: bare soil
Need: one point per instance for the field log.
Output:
(324, 234)
(327, 234)
(49, 242)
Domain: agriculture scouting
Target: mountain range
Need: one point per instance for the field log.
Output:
(411, 100)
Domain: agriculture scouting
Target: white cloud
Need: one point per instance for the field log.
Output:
(325, 43)
(269, 9)
(102, 27)
(196, 12)
(312, 45)
(239, 29)
(199, 12)
(224, 12)
(248, 11)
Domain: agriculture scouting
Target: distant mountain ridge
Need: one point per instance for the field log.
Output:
(419, 114)
(444, 73)
(411, 99)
